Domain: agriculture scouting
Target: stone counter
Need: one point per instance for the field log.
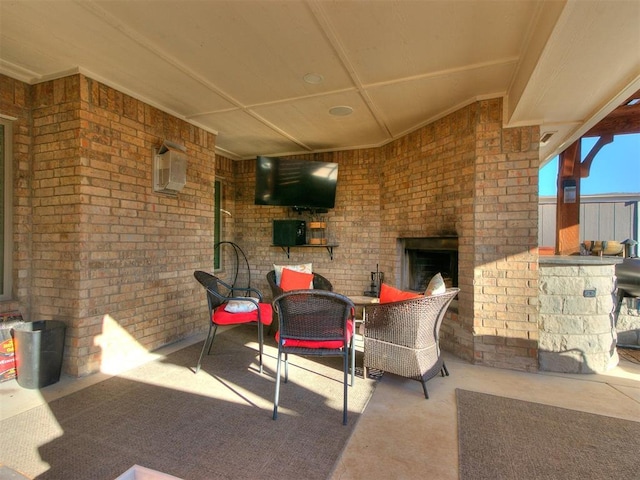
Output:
(577, 314)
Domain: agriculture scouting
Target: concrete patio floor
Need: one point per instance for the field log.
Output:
(402, 435)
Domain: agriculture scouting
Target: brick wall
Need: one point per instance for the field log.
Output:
(57, 221)
(355, 224)
(110, 257)
(429, 191)
(15, 102)
(99, 250)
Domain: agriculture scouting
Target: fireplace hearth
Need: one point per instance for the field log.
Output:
(423, 257)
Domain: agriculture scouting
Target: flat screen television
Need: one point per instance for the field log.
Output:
(290, 182)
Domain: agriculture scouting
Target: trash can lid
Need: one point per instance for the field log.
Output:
(39, 325)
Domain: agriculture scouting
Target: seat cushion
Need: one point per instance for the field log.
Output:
(331, 344)
(222, 317)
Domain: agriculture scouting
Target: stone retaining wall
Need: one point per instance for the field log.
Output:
(577, 330)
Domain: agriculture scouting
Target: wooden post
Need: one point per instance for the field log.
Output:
(568, 207)
(570, 171)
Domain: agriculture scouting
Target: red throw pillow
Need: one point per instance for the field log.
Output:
(390, 294)
(292, 280)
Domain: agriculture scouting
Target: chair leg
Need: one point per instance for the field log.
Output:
(286, 367)
(353, 361)
(260, 341)
(444, 370)
(207, 344)
(424, 387)
(274, 324)
(277, 395)
(345, 366)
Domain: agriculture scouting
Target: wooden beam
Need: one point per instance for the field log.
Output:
(585, 166)
(568, 201)
(623, 120)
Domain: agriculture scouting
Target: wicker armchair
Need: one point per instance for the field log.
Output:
(402, 337)
(319, 283)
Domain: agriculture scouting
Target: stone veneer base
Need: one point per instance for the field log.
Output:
(577, 315)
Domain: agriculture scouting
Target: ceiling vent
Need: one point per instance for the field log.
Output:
(169, 168)
(545, 137)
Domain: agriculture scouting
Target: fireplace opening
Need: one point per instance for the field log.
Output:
(422, 258)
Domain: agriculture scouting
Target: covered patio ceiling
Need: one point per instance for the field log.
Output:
(264, 75)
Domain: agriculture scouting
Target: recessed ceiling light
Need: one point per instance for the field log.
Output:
(341, 111)
(313, 78)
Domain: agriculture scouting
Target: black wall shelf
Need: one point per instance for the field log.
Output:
(287, 248)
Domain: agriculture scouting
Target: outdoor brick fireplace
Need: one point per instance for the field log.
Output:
(422, 258)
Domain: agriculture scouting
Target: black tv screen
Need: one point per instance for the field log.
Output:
(290, 182)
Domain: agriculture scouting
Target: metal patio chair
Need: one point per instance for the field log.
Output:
(314, 323)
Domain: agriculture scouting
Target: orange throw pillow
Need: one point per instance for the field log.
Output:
(390, 294)
(292, 280)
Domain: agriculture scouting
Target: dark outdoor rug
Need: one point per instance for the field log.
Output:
(213, 425)
(502, 438)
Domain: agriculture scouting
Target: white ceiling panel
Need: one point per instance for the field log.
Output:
(256, 52)
(237, 67)
(418, 38)
(422, 100)
(245, 136)
(315, 127)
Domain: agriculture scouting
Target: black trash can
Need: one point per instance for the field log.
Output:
(39, 347)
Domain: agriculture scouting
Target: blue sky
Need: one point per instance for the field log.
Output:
(616, 168)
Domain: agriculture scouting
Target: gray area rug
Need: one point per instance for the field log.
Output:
(213, 425)
(502, 438)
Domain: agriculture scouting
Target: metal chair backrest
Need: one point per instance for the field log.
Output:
(210, 283)
(316, 315)
(236, 264)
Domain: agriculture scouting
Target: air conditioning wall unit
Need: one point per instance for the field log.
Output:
(169, 168)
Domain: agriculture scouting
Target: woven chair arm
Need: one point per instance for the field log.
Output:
(275, 289)
(411, 323)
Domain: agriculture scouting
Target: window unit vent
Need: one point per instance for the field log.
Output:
(169, 168)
